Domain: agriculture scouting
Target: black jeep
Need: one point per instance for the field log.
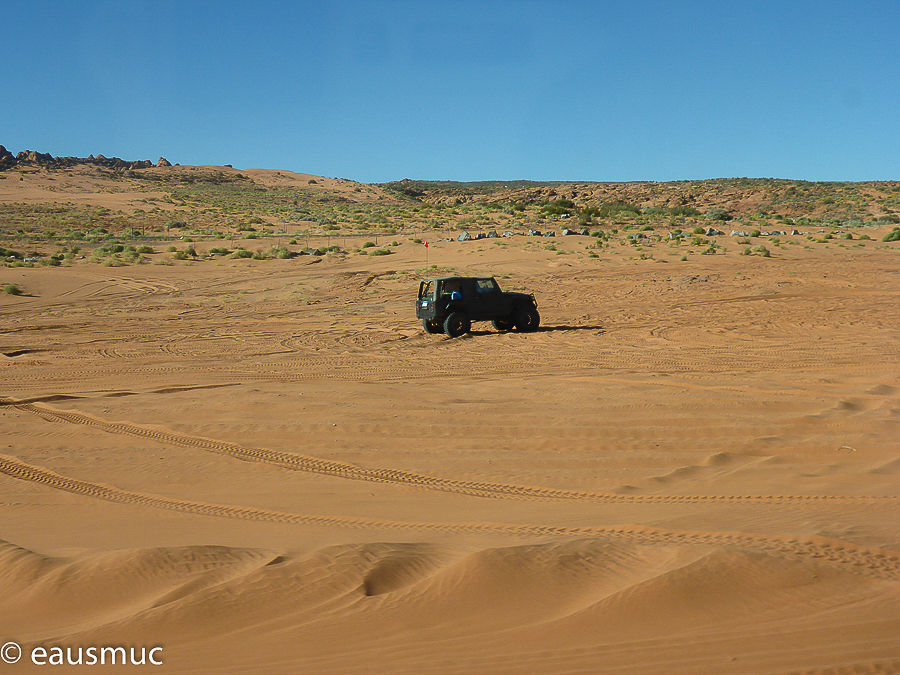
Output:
(450, 305)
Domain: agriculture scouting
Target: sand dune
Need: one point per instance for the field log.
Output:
(267, 466)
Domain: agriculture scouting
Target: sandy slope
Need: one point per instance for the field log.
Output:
(267, 466)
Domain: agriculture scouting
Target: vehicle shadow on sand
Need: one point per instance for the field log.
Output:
(543, 329)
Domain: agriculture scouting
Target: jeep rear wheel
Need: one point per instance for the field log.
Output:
(527, 319)
(502, 324)
(458, 323)
(432, 326)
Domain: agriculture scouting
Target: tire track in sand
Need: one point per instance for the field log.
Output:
(337, 469)
(881, 563)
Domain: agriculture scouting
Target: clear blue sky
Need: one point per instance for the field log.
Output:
(456, 90)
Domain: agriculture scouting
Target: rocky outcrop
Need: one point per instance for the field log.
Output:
(7, 159)
(46, 160)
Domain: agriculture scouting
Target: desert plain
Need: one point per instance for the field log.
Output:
(268, 466)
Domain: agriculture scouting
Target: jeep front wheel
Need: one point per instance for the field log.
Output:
(527, 319)
(458, 323)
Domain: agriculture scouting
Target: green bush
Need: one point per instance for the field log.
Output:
(380, 251)
(241, 253)
(718, 214)
(12, 289)
(146, 249)
(756, 250)
(893, 235)
(684, 211)
(369, 244)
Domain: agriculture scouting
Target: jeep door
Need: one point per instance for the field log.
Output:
(487, 301)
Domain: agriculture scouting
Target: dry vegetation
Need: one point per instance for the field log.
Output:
(124, 216)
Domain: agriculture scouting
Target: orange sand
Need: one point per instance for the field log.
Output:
(269, 467)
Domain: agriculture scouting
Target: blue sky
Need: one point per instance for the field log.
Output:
(456, 90)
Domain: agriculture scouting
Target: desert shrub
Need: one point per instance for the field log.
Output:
(259, 255)
(559, 207)
(718, 214)
(171, 249)
(698, 230)
(684, 211)
(241, 253)
(175, 224)
(180, 255)
(380, 251)
(221, 250)
(893, 235)
(256, 220)
(191, 251)
(759, 250)
(755, 233)
(12, 289)
(281, 253)
(614, 208)
(890, 218)
(146, 249)
(866, 237)
(369, 244)
(646, 228)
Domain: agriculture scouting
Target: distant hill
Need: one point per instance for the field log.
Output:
(735, 196)
(726, 197)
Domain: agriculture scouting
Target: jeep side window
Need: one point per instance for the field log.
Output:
(448, 287)
(486, 286)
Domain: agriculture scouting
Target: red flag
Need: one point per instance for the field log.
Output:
(426, 244)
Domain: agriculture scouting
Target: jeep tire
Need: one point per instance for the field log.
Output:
(432, 326)
(458, 323)
(527, 319)
(502, 324)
